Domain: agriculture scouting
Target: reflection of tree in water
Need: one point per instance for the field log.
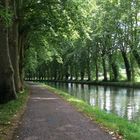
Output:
(76, 91)
(130, 104)
(66, 85)
(70, 89)
(137, 113)
(97, 96)
(130, 92)
(104, 98)
(88, 94)
(127, 105)
(115, 91)
(119, 101)
(83, 92)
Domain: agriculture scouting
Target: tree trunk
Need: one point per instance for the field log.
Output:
(137, 56)
(14, 50)
(97, 70)
(15, 63)
(127, 66)
(104, 70)
(132, 59)
(7, 88)
(114, 74)
(21, 58)
(88, 63)
(115, 71)
(89, 74)
(82, 75)
(88, 70)
(71, 72)
(76, 74)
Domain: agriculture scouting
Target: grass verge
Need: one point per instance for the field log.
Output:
(117, 126)
(10, 114)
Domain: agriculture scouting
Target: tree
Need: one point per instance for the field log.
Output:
(7, 89)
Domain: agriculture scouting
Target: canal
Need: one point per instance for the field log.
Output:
(124, 102)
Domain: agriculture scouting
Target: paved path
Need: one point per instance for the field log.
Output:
(48, 117)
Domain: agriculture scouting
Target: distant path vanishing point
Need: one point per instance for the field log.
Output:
(48, 117)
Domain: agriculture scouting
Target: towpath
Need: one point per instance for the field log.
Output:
(48, 117)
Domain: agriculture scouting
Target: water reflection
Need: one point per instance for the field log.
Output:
(124, 102)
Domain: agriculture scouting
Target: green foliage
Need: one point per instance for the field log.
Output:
(6, 16)
(31, 60)
(85, 37)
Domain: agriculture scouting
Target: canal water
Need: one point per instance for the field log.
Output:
(124, 102)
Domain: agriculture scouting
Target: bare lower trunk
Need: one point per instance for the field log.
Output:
(82, 75)
(14, 54)
(114, 74)
(127, 66)
(104, 70)
(71, 72)
(137, 56)
(88, 71)
(97, 71)
(115, 71)
(21, 62)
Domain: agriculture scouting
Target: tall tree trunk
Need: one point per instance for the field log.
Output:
(88, 69)
(7, 88)
(21, 40)
(114, 74)
(104, 69)
(115, 71)
(89, 73)
(66, 72)
(76, 73)
(14, 51)
(61, 73)
(127, 66)
(21, 59)
(137, 56)
(96, 69)
(110, 66)
(132, 67)
(82, 73)
(96, 62)
(88, 63)
(71, 72)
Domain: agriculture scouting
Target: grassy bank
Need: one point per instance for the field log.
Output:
(10, 113)
(119, 126)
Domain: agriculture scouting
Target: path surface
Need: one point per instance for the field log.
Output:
(48, 117)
